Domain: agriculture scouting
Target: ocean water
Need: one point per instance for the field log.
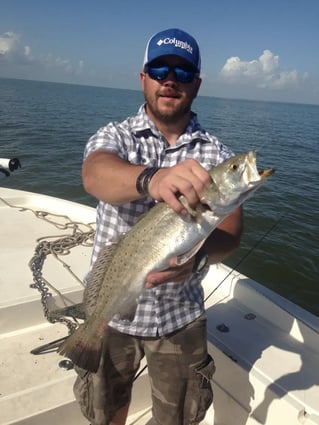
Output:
(46, 125)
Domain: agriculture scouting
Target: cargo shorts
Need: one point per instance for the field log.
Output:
(180, 372)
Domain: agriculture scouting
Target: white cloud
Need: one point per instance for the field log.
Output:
(263, 72)
(15, 56)
(8, 42)
(11, 50)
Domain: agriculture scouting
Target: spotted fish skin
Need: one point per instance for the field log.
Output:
(119, 274)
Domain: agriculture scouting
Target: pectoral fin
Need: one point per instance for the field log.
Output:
(193, 213)
(183, 258)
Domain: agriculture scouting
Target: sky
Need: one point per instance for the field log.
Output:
(251, 49)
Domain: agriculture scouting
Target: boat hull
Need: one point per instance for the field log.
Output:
(266, 348)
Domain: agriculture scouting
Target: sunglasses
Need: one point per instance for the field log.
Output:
(181, 74)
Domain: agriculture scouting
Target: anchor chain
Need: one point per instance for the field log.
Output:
(57, 247)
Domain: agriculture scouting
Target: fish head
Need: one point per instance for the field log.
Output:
(234, 181)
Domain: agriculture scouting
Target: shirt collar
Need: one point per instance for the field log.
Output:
(144, 126)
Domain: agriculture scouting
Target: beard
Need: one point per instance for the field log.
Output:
(170, 111)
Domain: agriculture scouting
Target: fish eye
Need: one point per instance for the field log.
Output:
(234, 167)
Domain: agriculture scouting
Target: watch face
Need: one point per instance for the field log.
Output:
(201, 262)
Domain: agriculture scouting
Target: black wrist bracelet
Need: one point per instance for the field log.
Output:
(143, 180)
(147, 179)
(139, 181)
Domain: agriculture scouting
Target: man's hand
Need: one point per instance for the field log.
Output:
(218, 246)
(174, 273)
(188, 178)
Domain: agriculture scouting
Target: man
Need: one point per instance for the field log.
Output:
(154, 156)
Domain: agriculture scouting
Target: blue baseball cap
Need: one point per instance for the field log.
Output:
(173, 42)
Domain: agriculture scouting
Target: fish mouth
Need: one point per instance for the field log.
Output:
(267, 172)
(262, 176)
(253, 175)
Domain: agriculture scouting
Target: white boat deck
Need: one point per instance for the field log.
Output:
(266, 349)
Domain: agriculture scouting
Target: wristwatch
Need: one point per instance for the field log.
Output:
(201, 262)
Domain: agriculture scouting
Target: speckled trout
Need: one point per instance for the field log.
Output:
(119, 274)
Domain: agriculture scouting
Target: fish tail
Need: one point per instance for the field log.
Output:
(83, 348)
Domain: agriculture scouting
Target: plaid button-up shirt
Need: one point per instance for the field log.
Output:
(167, 307)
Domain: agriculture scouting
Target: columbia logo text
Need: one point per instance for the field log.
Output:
(177, 43)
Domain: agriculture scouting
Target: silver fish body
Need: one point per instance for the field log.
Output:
(119, 275)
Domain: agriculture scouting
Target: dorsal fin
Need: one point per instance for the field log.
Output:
(96, 276)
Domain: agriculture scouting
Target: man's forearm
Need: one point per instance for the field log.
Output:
(225, 239)
(110, 178)
(113, 180)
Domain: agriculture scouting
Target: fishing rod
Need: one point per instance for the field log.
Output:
(7, 165)
(258, 242)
